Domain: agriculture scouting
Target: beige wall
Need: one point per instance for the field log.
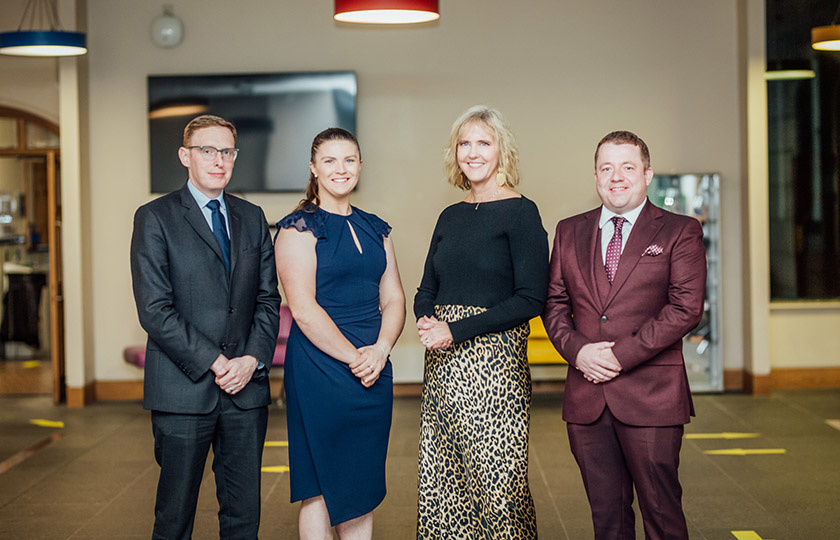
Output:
(804, 334)
(563, 73)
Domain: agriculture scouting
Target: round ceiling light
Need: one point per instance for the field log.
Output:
(386, 11)
(826, 38)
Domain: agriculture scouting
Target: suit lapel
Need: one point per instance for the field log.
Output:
(586, 238)
(194, 216)
(235, 230)
(647, 226)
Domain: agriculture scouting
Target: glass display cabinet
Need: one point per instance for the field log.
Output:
(698, 195)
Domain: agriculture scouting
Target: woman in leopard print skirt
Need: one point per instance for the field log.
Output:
(485, 276)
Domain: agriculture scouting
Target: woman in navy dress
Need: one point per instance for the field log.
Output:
(337, 267)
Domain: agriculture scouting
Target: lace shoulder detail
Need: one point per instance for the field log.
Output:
(310, 219)
(379, 226)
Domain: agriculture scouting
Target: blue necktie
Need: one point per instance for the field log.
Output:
(219, 230)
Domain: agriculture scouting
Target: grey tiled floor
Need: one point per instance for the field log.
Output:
(98, 480)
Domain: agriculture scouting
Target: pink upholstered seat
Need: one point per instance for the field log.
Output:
(135, 355)
(282, 336)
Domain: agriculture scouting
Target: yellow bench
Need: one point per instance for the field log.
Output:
(540, 349)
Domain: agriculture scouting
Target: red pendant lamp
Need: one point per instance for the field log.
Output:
(386, 11)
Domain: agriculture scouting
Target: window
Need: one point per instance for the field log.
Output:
(804, 145)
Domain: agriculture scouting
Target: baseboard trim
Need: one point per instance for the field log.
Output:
(408, 389)
(828, 377)
(756, 384)
(119, 390)
(81, 396)
(546, 386)
(276, 384)
(733, 380)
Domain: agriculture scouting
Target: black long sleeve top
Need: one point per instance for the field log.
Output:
(492, 255)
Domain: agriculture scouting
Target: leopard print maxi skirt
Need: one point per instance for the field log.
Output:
(473, 471)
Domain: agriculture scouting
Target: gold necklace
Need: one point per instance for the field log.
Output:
(490, 198)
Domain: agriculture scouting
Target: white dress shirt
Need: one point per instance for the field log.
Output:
(607, 228)
(202, 201)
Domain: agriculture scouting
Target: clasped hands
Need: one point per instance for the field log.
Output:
(233, 374)
(434, 334)
(597, 362)
(369, 364)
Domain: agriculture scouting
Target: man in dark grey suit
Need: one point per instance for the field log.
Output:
(205, 285)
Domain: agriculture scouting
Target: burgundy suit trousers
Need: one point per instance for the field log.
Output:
(613, 457)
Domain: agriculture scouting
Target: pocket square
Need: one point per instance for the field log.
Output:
(653, 250)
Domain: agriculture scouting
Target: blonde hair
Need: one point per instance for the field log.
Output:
(508, 151)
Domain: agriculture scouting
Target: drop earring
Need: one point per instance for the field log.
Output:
(501, 179)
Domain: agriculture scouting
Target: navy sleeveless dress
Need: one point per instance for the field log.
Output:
(338, 429)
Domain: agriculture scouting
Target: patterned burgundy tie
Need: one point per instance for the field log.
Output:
(614, 249)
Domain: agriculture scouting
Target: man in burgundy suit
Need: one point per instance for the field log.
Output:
(626, 284)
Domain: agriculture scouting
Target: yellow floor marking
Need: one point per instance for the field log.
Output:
(47, 423)
(745, 452)
(833, 423)
(277, 443)
(31, 364)
(275, 468)
(748, 535)
(725, 435)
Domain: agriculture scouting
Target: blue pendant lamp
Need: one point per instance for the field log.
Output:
(40, 34)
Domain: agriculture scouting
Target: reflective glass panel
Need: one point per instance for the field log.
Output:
(698, 196)
(8, 133)
(39, 137)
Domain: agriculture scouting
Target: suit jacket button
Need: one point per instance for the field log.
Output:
(603, 318)
(223, 346)
(230, 310)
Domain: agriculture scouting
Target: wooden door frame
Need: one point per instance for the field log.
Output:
(56, 288)
(52, 156)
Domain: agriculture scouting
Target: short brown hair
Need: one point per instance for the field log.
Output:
(495, 124)
(625, 137)
(203, 121)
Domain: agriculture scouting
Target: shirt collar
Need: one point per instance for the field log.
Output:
(631, 216)
(203, 199)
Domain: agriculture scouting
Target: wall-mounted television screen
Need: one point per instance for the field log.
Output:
(276, 117)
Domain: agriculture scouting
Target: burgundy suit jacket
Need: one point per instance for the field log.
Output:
(656, 298)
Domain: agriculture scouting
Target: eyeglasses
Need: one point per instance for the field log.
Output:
(209, 152)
